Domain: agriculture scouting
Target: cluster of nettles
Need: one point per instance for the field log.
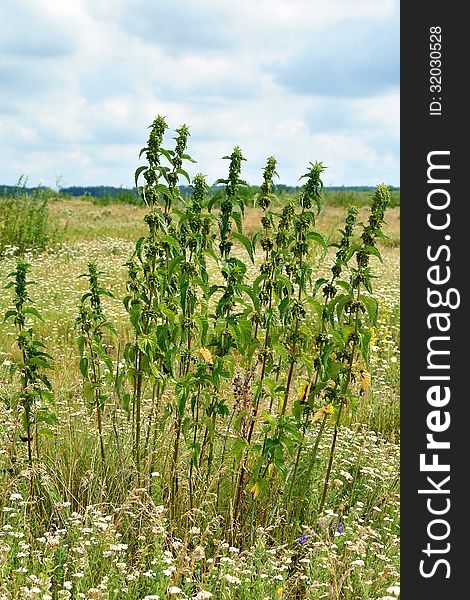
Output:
(231, 368)
(192, 333)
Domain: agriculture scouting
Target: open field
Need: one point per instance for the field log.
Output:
(75, 528)
(84, 220)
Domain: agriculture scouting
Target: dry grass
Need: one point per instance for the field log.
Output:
(83, 220)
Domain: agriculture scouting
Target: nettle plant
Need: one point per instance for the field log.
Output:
(239, 370)
(33, 400)
(244, 354)
(96, 365)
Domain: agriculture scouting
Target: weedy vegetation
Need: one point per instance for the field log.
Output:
(25, 220)
(210, 411)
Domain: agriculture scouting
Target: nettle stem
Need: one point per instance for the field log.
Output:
(343, 400)
(329, 291)
(97, 393)
(33, 383)
(359, 276)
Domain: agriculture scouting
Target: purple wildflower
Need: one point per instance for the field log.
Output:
(302, 539)
(340, 527)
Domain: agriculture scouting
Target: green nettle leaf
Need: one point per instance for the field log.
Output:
(184, 174)
(245, 327)
(163, 189)
(367, 283)
(346, 332)
(146, 343)
(345, 285)
(139, 171)
(47, 433)
(374, 251)
(372, 307)
(235, 331)
(316, 305)
(284, 306)
(40, 362)
(45, 416)
(239, 446)
(32, 311)
(171, 241)
(351, 250)
(126, 402)
(365, 337)
(314, 236)
(251, 294)
(203, 324)
(138, 247)
(257, 282)
(168, 154)
(8, 314)
(84, 367)
(318, 284)
(237, 217)
(338, 338)
(297, 409)
(89, 392)
(285, 281)
(334, 368)
(337, 304)
(134, 316)
(13, 368)
(183, 293)
(174, 262)
(246, 243)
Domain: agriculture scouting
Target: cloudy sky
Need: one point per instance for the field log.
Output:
(302, 80)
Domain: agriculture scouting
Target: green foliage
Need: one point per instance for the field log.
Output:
(35, 394)
(96, 365)
(25, 221)
(233, 376)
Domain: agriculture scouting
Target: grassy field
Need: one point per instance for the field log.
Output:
(71, 528)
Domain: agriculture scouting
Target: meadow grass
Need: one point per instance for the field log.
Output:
(85, 532)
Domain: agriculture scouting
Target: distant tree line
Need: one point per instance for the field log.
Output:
(105, 194)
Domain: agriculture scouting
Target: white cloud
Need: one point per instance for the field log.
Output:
(82, 81)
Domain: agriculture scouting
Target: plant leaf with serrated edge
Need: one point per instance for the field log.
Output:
(237, 217)
(372, 307)
(374, 251)
(345, 285)
(286, 281)
(32, 311)
(365, 337)
(316, 237)
(138, 171)
(8, 314)
(84, 367)
(184, 174)
(246, 242)
(251, 294)
(88, 392)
